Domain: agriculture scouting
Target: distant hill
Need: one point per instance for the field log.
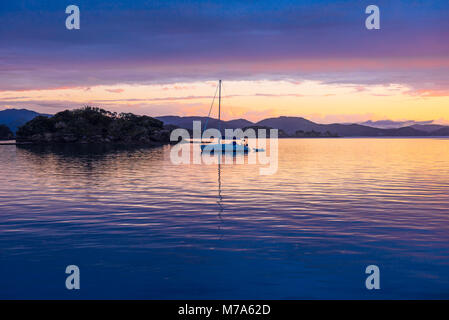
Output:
(239, 123)
(405, 132)
(352, 130)
(441, 132)
(291, 125)
(428, 127)
(14, 118)
(390, 124)
(187, 122)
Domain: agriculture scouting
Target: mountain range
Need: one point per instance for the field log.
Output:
(288, 126)
(14, 118)
(292, 125)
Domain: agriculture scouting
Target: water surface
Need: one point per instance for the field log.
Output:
(140, 227)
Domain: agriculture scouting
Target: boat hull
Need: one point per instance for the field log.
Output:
(224, 148)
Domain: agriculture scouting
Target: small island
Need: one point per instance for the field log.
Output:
(94, 125)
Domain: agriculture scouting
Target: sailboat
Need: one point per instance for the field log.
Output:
(232, 147)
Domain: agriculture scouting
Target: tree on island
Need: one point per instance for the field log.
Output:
(94, 125)
(5, 133)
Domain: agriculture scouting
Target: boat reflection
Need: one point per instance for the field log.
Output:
(220, 202)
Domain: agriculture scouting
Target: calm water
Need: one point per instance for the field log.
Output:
(140, 227)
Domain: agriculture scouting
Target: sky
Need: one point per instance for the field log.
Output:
(314, 59)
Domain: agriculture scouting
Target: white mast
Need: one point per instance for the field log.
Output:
(219, 109)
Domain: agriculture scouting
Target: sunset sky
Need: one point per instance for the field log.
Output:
(313, 59)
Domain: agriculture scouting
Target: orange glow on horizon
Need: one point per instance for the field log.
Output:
(252, 100)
